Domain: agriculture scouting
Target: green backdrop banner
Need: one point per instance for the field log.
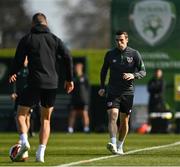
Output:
(153, 27)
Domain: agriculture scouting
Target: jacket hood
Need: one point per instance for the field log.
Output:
(40, 29)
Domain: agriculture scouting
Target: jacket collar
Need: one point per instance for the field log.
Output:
(39, 28)
(121, 51)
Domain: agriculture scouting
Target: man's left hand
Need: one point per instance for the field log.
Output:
(12, 78)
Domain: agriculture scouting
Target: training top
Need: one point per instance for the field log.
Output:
(156, 87)
(44, 51)
(118, 62)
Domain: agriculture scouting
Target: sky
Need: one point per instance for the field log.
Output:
(53, 12)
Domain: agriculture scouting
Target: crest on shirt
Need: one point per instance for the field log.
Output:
(153, 20)
(3, 69)
(109, 104)
(129, 60)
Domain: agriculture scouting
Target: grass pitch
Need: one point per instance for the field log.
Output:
(67, 148)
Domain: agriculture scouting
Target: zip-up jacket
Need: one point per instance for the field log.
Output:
(120, 62)
(44, 51)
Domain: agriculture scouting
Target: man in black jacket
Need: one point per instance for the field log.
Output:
(43, 50)
(156, 88)
(125, 65)
(80, 99)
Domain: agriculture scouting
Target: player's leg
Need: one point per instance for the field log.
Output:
(25, 155)
(28, 120)
(71, 120)
(45, 125)
(112, 127)
(44, 132)
(125, 110)
(27, 98)
(47, 101)
(123, 131)
(22, 115)
(85, 118)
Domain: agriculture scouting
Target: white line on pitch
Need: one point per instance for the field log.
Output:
(112, 156)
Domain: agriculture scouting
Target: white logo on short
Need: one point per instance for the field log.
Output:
(129, 59)
(153, 20)
(130, 111)
(114, 60)
(109, 104)
(82, 79)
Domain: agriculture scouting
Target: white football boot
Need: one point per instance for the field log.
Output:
(120, 151)
(40, 157)
(112, 148)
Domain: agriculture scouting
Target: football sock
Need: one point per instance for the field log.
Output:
(70, 130)
(86, 129)
(113, 140)
(120, 144)
(24, 138)
(41, 150)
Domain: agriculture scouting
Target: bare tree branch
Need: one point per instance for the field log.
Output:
(88, 23)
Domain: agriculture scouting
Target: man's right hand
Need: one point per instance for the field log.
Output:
(101, 92)
(69, 86)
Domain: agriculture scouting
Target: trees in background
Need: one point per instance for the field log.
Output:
(14, 22)
(87, 23)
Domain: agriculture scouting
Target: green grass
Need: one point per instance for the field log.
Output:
(66, 148)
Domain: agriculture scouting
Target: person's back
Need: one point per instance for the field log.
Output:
(42, 58)
(42, 49)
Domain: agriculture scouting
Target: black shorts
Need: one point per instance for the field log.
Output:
(79, 106)
(123, 103)
(32, 96)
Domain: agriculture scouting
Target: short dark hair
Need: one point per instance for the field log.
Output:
(157, 69)
(120, 32)
(38, 18)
